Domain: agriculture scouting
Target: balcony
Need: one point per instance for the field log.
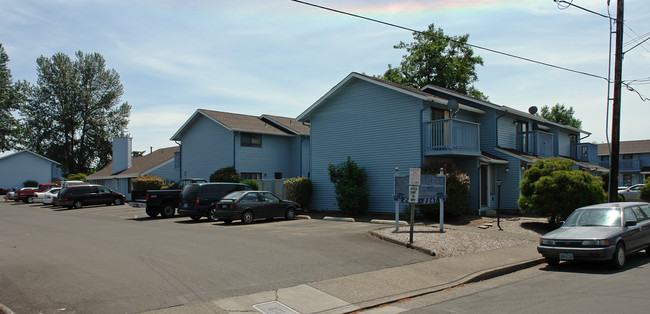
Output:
(536, 143)
(451, 137)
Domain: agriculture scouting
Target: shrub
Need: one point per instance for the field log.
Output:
(251, 183)
(77, 177)
(457, 191)
(227, 174)
(30, 184)
(173, 186)
(552, 189)
(299, 190)
(645, 190)
(349, 180)
(147, 182)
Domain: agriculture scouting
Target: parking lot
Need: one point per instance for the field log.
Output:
(117, 259)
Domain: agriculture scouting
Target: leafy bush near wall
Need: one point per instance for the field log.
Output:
(227, 174)
(252, 184)
(147, 182)
(30, 184)
(349, 180)
(457, 191)
(77, 177)
(645, 190)
(299, 190)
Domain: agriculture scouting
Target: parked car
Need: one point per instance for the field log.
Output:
(632, 193)
(197, 198)
(163, 202)
(602, 232)
(250, 205)
(46, 197)
(71, 183)
(27, 195)
(11, 195)
(91, 194)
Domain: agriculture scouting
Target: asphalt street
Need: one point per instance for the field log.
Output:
(116, 259)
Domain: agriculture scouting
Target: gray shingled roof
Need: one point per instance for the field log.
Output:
(138, 164)
(627, 147)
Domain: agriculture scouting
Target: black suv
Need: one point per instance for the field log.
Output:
(90, 194)
(196, 198)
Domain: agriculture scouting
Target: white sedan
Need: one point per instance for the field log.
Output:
(46, 197)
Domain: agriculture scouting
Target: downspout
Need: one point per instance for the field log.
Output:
(234, 146)
(180, 161)
(426, 106)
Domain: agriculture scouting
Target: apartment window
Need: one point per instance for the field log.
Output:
(251, 140)
(278, 175)
(250, 176)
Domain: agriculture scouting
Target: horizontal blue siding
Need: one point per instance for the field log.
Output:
(18, 168)
(206, 147)
(377, 127)
(272, 157)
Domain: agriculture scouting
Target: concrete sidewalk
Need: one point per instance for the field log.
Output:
(383, 287)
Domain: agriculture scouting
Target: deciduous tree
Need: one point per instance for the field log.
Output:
(11, 96)
(437, 59)
(74, 111)
(561, 114)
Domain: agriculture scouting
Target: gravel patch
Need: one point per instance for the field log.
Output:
(479, 235)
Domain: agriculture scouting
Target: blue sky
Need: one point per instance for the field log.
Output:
(278, 56)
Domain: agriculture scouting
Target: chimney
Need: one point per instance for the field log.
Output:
(122, 151)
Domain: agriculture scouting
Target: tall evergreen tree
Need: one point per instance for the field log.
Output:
(74, 111)
(561, 114)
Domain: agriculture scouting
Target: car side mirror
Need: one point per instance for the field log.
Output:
(630, 223)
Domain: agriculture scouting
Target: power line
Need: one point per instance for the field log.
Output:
(452, 40)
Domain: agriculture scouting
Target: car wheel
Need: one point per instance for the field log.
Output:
(291, 213)
(151, 212)
(552, 261)
(247, 217)
(77, 204)
(117, 201)
(195, 218)
(647, 251)
(212, 214)
(168, 211)
(618, 261)
(29, 199)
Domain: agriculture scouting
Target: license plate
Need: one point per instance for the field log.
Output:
(566, 256)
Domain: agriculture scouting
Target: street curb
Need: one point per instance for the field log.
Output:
(5, 310)
(339, 219)
(471, 278)
(306, 217)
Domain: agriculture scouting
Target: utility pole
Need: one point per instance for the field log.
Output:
(616, 107)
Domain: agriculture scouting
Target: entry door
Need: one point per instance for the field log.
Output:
(484, 186)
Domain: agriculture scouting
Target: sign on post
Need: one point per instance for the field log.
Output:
(414, 176)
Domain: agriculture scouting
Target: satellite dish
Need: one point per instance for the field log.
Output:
(452, 104)
(532, 110)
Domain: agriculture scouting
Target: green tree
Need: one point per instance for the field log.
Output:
(561, 114)
(11, 96)
(227, 174)
(437, 59)
(74, 111)
(77, 177)
(645, 190)
(552, 189)
(349, 180)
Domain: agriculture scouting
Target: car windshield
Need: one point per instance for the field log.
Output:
(606, 217)
(233, 195)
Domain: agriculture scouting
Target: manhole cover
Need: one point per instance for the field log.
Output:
(274, 307)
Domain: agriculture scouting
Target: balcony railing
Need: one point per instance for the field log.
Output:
(536, 143)
(451, 137)
(624, 165)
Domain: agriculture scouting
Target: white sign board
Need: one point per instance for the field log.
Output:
(414, 193)
(414, 176)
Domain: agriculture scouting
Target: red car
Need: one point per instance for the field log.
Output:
(27, 196)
